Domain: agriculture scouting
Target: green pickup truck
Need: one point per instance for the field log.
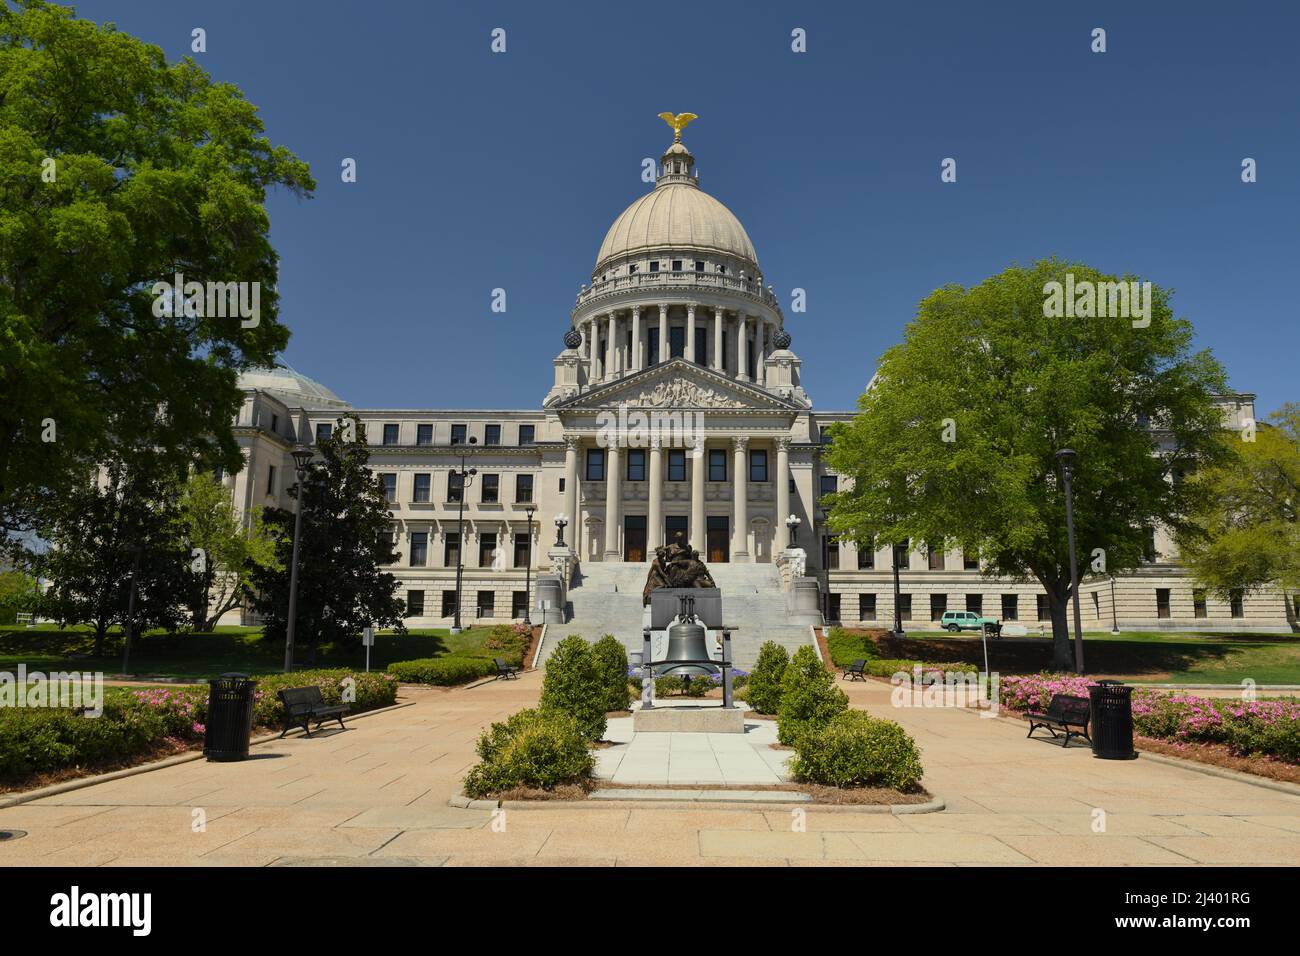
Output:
(968, 620)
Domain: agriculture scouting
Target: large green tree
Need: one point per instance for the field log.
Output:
(346, 539)
(119, 170)
(1245, 534)
(957, 434)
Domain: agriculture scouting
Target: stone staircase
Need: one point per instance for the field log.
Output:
(606, 599)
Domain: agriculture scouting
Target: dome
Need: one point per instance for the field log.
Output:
(676, 216)
(294, 387)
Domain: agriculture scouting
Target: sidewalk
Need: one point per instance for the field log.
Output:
(378, 792)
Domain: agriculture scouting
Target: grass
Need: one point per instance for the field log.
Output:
(1222, 657)
(199, 656)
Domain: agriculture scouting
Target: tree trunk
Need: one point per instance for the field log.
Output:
(1059, 605)
(101, 630)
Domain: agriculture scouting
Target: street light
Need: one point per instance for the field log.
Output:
(898, 610)
(560, 523)
(1066, 457)
(528, 566)
(793, 523)
(466, 478)
(302, 456)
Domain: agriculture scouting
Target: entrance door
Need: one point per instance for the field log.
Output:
(716, 539)
(634, 538)
(675, 527)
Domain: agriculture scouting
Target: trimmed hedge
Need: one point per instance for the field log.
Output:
(809, 697)
(442, 671)
(533, 748)
(858, 750)
(575, 685)
(764, 693)
(610, 659)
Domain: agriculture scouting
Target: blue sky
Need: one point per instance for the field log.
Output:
(478, 171)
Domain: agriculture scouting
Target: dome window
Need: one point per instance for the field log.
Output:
(722, 270)
(677, 265)
(654, 266)
(699, 265)
(631, 269)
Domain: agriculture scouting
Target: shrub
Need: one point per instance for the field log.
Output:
(372, 691)
(610, 660)
(573, 685)
(764, 691)
(442, 671)
(40, 740)
(809, 697)
(533, 748)
(858, 750)
(846, 648)
(509, 642)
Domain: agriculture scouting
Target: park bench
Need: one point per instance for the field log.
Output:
(854, 671)
(302, 705)
(1064, 712)
(506, 670)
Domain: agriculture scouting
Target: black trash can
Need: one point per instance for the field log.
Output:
(1111, 720)
(230, 717)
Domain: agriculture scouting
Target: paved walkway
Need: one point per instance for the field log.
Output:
(377, 793)
(692, 758)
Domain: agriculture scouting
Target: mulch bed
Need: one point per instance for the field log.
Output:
(1218, 755)
(163, 750)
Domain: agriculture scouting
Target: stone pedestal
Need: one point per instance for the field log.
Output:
(791, 563)
(550, 600)
(563, 563)
(805, 602)
(705, 719)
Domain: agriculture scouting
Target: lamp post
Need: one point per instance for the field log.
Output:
(793, 523)
(528, 566)
(301, 459)
(898, 610)
(1114, 611)
(1066, 457)
(466, 478)
(560, 522)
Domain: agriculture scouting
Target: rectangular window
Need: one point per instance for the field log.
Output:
(270, 480)
(424, 434)
(487, 603)
(527, 434)
(420, 490)
(717, 464)
(323, 431)
(934, 556)
(830, 484)
(1199, 607)
(455, 486)
(866, 607)
(1162, 602)
(448, 603)
(1010, 607)
(824, 434)
(487, 543)
(905, 607)
(866, 556)
(451, 549)
(1149, 553)
(1044, 607)
(390, 486)
(699, 265)
(938, 604)
(595, 464)
(758, 464)
(419, 548)
(518, 604)
(523, 552)
(491, 434)
(636, 464)
(676, 341)
(631, 269)
(390, 434)
(275, 423)
(677, 265)
(491, 489)
(654, 266)
(523, 489)
(970, 561)
(458, 434)
(415, 604)
(831, 552)
(561, 486)
(975, 604)
(676, 464)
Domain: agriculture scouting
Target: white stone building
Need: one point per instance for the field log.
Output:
(677, 323)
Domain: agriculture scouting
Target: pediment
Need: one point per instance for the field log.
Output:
(679, 384)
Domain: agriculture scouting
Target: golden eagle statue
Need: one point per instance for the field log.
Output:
(678, 123)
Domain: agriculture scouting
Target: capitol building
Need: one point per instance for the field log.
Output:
(678, 324)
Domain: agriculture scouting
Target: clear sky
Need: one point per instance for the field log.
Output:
(479, 170)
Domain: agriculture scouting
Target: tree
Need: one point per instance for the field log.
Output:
(228, 552)
(117, 172)
(104, 534)
(18, 594)
(346, 537)
(956, 438)
(1245, 534)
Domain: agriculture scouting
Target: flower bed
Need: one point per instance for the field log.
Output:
(1260, 728)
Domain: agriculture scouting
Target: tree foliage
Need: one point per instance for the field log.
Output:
(984, 367)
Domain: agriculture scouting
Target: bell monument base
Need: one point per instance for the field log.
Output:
(688, 719)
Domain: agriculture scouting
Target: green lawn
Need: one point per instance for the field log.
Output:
(199, 656)
(1222, 657)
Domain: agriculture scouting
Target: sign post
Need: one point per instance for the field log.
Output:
(368, 639)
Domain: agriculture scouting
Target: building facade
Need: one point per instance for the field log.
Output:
(677, 408)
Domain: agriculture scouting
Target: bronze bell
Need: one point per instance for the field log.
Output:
(687, 641)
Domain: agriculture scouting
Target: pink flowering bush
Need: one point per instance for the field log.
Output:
(1269, 728)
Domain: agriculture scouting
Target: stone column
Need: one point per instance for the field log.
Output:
(690, 333)
(742, 373)
(593, 350)
(782, 493)
(572, 446)
(760, 348)
(663, 333)
(699, 461)
(655, 519)
(611, 348)
(740, 482)
(613, 502)
(719, 362)
(636, 338)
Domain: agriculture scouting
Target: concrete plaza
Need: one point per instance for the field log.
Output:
(377, 794)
